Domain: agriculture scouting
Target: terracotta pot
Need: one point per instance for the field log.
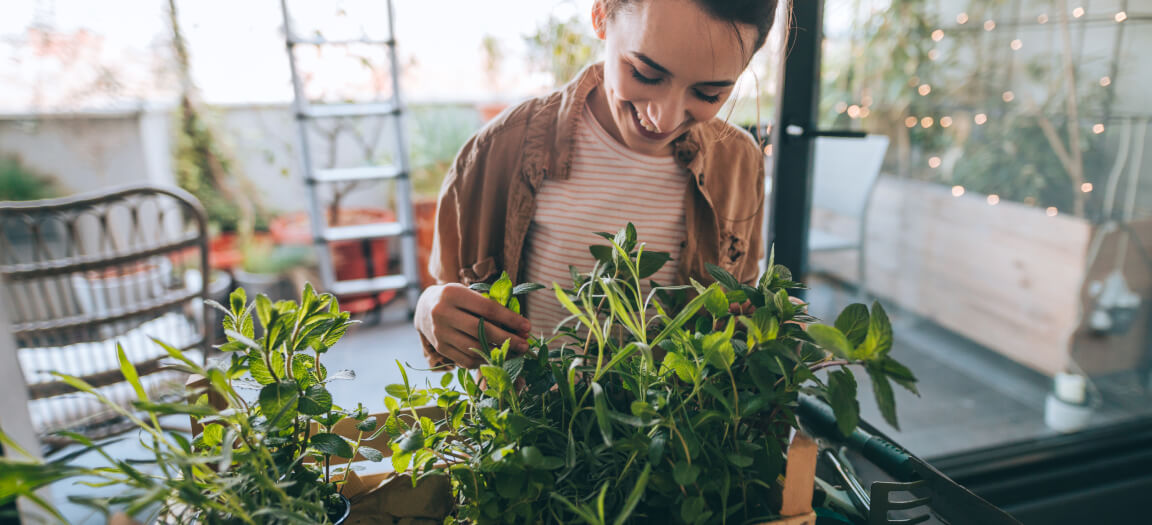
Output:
(490, 110)
(224, 252)
(349, 258)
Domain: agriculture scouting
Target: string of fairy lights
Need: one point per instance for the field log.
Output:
(980, 118)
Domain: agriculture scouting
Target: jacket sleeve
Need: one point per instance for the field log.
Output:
(749, 270)
(444, 260)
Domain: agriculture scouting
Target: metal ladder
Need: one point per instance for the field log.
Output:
(322, 235)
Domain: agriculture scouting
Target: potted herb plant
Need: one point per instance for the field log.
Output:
(651, 405)
(268, 458)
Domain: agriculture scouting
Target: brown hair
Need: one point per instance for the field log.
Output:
(760, 14)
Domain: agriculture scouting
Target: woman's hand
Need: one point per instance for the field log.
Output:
(449, 315)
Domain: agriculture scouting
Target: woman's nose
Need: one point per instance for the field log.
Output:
(666, 115)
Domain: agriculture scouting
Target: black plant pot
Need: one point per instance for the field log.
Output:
(338, 520)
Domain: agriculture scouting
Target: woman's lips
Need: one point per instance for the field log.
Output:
(644, 132)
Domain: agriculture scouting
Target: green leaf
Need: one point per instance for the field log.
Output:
(739, 460)
(497, 378)
(685, 473)
(236, 300)
(412, 440)
(480, 287)
(514, 367)
(900, 374)
(278, 402)
(853, 323)
(684, 367)
(525, 288)
(831, 339)
(393, 427)
(130, 375)
(717, 303)
(398, 391)
(264, 311)
(718, 349)
(400, 461)
(885, 399)
(368, 425)
(633, 497)
(330, 444)
(879, 339)
(514, 305)
(652, 262)
(603, 254)
(370, 454)
(501, 290)
(722, 276)
(842, 397)
(600, 404)
(317, 400)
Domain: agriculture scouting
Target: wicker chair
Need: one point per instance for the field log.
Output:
(87, 273)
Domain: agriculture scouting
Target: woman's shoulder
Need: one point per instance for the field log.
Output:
(513, 122)
(727, 140)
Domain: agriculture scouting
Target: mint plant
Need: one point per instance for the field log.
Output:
(665, 406)
(264, 460)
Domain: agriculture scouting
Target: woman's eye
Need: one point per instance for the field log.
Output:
(643, 79)
(711, 99)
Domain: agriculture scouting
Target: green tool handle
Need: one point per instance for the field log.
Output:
(818, 417)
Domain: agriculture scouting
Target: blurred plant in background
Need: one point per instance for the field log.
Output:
(19, 182)
(965, 106)
(562, 47)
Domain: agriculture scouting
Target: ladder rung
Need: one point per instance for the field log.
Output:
(321, 41)
(361, 173)
(363, 231)
(349, 110)
(375, 284)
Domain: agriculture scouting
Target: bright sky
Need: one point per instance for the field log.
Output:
(238, 51)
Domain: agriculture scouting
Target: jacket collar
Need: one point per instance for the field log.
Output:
(687, 149)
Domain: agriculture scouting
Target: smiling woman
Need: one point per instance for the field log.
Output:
(633, 139)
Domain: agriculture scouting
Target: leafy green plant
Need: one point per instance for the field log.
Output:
(667, 404)
(18, 182)
(263, 460)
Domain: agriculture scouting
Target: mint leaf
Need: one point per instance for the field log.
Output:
(853, 322)
(831, 339)
(842, 397)
(331, 444)
(885, 399)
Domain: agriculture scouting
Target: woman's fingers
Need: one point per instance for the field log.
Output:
(496, 335)
(492, 312)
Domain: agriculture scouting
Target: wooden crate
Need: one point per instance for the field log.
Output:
(1009, 276)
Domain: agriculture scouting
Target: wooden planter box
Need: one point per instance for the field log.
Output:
(1008, 277)
(383, 498)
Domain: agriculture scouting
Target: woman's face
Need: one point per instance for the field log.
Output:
(668, 66)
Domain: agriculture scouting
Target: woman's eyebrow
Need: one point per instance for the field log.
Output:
(655, 65)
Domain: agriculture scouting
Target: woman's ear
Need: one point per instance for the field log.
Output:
(599, 18)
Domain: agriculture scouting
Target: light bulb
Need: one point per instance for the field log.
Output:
(938, 35)
(1098, 128)
(1078, 12)
(924, 89)
(1086, 187)
(1043, 19)
(980, 119)
(1008, 96)
(957, 191)
(1051, 211)
(926, 122)
(989, 25)
(910, 122)
(853, 111)
(962, 18)
(1120, 17)
(945, 122)
(934, 162)
(1105, 81)
(1016, 44)
(993, 199)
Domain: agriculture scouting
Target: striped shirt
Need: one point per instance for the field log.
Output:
(608, 187)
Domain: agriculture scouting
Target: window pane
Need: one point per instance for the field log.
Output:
(1004, 208)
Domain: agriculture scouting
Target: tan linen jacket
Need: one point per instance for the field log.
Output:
(488, 198)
